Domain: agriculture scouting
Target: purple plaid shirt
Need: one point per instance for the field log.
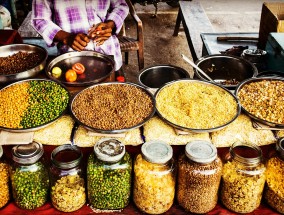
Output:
(77, 16)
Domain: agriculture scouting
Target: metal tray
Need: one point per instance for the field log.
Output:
(98, 67)
(19, 130)
(7, 50)
(194, 129)
(118, 130)
(242, 84)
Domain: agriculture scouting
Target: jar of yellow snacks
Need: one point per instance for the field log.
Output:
(154, 178)
(67, 179)
(274, 190)
(4, 180)
(199, 175)
(243, 178)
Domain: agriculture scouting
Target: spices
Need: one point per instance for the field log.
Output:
(243, 178)
(274, 190)
(199, 175)
(109, 175)
(154, 178)
(67, 179)
(4, 181)
(128, 106)
(29, 177)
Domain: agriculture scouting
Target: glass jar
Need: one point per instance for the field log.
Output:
(199, 175)
(109, 175)
(274, 190)
(154, 178)
(243, 178)
(29, 176)
(67, 179)
(4, 180)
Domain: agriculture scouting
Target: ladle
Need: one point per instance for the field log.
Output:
(196, 67)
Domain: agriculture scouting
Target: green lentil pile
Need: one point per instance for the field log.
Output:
(30, 185)
(38, 102)
(109, 185)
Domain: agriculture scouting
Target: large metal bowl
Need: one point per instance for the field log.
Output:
(99, 130)
(227, 70)
(31, 129)
(8, 50)
(248, 81)
(194, 129)
(98, 67)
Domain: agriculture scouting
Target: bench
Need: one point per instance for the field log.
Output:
(195, 22)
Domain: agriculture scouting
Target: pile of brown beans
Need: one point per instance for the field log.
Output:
(112, 107)
(19, 62)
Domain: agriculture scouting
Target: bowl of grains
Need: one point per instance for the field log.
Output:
(21, 61)
(196, 106)
(32, 104)
(263, 99)
(113, 107)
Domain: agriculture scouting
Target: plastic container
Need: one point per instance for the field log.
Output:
(4, 182)
(199, 175)
(109, 175)
(67, 179)
(29, 176)
(274, 190)
(154, 178)
(243, 178)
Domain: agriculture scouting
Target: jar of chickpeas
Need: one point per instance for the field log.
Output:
(154, 178)
(243, 178)
(199, 175)
(67, 178)
(4, 180)
(274, 190)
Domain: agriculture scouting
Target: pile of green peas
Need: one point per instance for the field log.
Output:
(109, 185)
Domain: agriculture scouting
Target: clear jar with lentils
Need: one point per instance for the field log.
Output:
(4, 180)
(243, 178)
(29, 176)
(67, 178)
(109, 175)
(274, 189)
(199, 175)
(154, 178)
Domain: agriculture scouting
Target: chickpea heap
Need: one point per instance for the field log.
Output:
(4, 184)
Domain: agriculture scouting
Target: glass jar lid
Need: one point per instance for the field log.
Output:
(66, 156)
(1, 151)
(280, 147)
(157, 152)
(201, 151)
(109, 150)
(28, 153)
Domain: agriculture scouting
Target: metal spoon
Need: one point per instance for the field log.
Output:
(196, 67)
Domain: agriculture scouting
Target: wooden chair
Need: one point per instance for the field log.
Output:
(128, 44)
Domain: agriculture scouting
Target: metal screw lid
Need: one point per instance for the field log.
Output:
(280, 147)
(201, 151)
(109, 150)
(28, 153)
(157, 152)
(1, 151)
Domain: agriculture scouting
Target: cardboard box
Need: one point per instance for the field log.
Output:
(272, 20)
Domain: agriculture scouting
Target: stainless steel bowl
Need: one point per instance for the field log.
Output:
(238, 111)
(117, 130)
(8, 50)
(98, 67)
(225, 69)
(248, 81)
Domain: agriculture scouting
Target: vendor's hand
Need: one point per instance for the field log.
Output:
(101, 32)
(76, 41)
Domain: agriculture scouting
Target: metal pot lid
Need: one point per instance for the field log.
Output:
(280, 147)
(28, 153)
(1, 151)
(157, 152)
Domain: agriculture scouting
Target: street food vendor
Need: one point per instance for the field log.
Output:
(81, 25)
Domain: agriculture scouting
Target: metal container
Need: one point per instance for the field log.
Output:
(9, 50)
(154, 77)
(225, 69)
(97, 67)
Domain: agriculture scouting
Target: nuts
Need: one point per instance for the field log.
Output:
(4, 184)
(68, 193)
(198, 185)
